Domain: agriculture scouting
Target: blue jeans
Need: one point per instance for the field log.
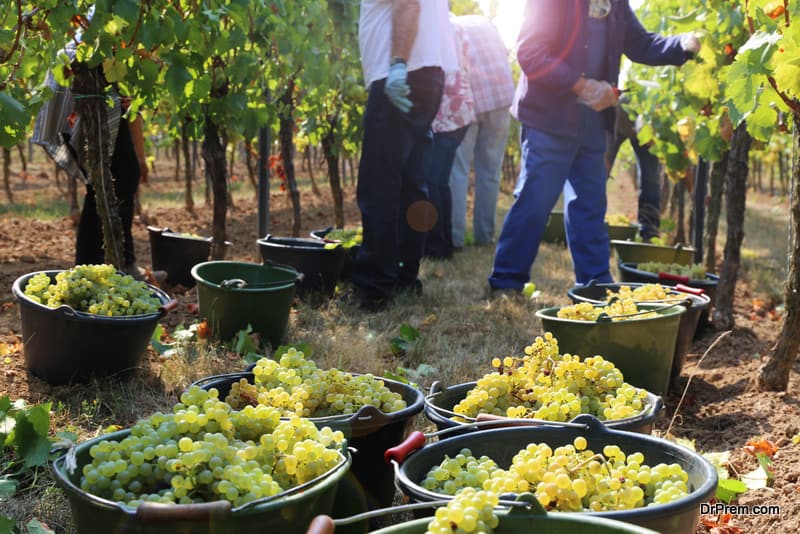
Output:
(439, 241)
(552, 163)
(391, 178)
(649, 181)
(486, 141)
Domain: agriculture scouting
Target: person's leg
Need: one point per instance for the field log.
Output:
(546, 161)
(426, 93)
(459, 184)
(649, 171)
(387, 143)
(89, 236)
(490, 148)
(439, 241)
(585, 204)
(125, 170)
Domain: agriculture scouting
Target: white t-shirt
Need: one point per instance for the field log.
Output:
(434, 46)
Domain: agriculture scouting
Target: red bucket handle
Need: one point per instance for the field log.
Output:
(167, 307)
(322, 524)
(416, 440)
(673, 277)
(691, 290)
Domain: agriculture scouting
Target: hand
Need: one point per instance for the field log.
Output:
(596, 94)
(397, 89)
(690, 43)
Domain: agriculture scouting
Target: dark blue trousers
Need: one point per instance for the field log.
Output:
(439, 241)
(391, 189)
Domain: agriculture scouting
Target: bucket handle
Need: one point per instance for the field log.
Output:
(300, 276)
(691, 290)
(169, 306)
(155, 512)
(673, 277)
(605, 318)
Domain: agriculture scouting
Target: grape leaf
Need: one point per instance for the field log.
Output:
(728, 489)
(35, 526)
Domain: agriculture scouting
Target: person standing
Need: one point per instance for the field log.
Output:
(485, 141)
(406, 48)
(569, 51)
(456, 113)
(648, 172)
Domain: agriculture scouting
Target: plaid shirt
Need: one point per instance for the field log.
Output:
(57, 128)
(490, 71)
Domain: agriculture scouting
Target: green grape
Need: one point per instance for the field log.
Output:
(470, 511)
(545, 384)
(346, 238)
(464, 470)
(618, 310)
(695, 271)
(95, 289)
(295, 385)
(617, 219)
(204, 451)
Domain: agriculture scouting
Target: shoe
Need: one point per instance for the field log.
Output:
(413, 288)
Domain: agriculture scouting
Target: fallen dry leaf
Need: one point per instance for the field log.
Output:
(754, 446)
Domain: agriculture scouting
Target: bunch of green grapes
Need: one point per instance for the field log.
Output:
(572, 478)
(204, 451)
(470, 511)
(617, 219)
(621, 309)
(95, 289)
(346, 238)
(462, 471)
(645, 293)
(189, 236)
(295, 385)
(547, 385)
(695, 271)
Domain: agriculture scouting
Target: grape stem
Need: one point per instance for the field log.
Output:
(597, 456)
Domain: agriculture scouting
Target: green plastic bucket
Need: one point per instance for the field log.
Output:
(641, 348)
(369, 431)
(633, 252)
(440, 402)
(535, 519)
(232, 295)
(687, 328)
(288, 512)
(678, 517)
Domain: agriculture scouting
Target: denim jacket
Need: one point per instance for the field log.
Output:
(551, 50)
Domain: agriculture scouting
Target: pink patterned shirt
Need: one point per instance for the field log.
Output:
(457, 108)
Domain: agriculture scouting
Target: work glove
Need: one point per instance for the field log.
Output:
(597, 94)
(690, 43)
(397, 89)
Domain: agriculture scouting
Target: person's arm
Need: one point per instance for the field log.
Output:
(137, 135)
(650, 48)
(405, 23)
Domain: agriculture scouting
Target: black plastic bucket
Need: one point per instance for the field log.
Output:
(177, 253)
(617, 232)
(320, 266)
(633, 252)
(678, 517)
(350, 252)
(288, 512)
(629, 273)
(641, 348)
(441, 401)
(369, 431)
(62, 345)
(554, 232)
(687, 327)
(232, 295)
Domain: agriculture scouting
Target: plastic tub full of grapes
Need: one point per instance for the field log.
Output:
(349, 239)
(288, 512)
(641, 346)
(369, 430)
(599, 294)
(663, 487)
(631, 272)
(439, 404)
(64, 345)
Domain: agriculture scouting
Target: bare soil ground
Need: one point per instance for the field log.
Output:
(721, 409)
